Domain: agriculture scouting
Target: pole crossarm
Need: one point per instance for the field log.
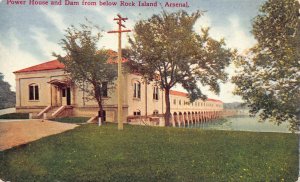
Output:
(117, 31)
(123, 19)
(120, 102)
(119, 22)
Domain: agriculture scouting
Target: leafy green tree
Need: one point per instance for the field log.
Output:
(165, 48)
(86, 65)
(7, 97)
(269, 76)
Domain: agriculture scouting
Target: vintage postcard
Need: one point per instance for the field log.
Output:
(150, 90)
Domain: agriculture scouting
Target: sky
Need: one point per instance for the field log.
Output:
(29, 34)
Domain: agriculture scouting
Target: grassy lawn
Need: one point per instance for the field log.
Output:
(15, 116)
(92, 153)
(72, 119)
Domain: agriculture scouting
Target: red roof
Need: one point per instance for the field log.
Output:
(50, 65)
(113, 57)
(55, 64)
(214, 100)
(173, 92)
(182, 94)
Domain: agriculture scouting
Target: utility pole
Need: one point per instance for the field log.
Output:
(120, 100)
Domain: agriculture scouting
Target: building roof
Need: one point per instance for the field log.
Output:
(183, 94)
(177, 93)
(55, 64)
(113, 57)
(214, 100)
(50, 65)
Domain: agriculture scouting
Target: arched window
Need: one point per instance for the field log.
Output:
(137, 90)
(174, 101)
(34, 92)
(155, 93)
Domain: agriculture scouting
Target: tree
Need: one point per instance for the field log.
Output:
(166, 49)
(86, 65)
(269, 75)
(7, 97)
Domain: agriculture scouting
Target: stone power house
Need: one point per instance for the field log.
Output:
(45, 91)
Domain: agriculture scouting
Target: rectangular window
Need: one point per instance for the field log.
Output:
(134, 91)
(104, 89)
(33, 92)
(155, 93)
(138, 113)
(137, 90)
(174, 101)
(36, 92)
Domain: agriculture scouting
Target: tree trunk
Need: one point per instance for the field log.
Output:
(168, 109)
(98, 97)
(298, 119)
(101, 110)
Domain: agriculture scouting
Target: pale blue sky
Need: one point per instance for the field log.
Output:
(29, 34)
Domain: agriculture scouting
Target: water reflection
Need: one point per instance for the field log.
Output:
(242, 123)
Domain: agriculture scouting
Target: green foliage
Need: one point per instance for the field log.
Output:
(269, 76)
(15, 116)
(7, 97)
(92, 153)
(72, 119)
(85, 64)
(165, 48)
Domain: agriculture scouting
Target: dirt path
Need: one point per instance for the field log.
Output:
(8, 110)
(24, 131)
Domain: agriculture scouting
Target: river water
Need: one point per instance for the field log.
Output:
(243, 123)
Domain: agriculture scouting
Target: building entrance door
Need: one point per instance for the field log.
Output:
(61, 93)
(68, 96)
